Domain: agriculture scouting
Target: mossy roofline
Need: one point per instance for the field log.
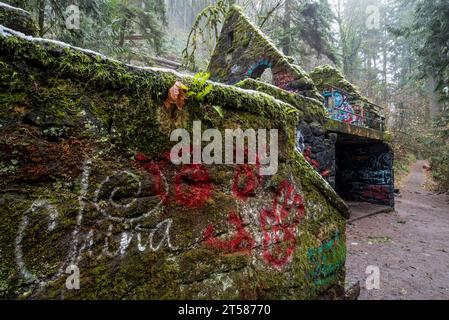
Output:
(84, 64)
(311, 109)
(243, 25)
(295, 68)
(239, 10)
(328, 75)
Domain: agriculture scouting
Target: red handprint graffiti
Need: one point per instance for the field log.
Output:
(279, 225)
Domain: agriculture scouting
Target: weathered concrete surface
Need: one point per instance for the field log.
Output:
(409, 246)
(84, 180)
(346, 128)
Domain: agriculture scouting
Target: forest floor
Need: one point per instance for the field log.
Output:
(410, 246)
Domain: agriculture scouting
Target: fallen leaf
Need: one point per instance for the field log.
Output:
(20, 110)
(177, 95)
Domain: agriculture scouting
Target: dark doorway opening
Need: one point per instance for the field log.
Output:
(364, 171)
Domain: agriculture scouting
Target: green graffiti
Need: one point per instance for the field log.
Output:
(327, 260)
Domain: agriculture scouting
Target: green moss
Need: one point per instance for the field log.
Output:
(17, 19)
(309, 109)
(250, 44)
(328, 75)
(109, 112)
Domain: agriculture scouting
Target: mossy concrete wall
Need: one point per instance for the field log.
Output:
(243, 51)
(323, 76)
(312, 139)
(371, 116)
(85, 181)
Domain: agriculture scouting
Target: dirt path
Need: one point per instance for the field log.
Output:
(410, 246)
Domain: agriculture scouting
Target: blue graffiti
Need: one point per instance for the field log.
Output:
(340, 109)
(262, 64)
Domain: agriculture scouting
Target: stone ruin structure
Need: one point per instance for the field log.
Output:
(340, 132)
(86, 185)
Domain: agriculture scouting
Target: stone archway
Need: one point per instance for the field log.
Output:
(259, 68)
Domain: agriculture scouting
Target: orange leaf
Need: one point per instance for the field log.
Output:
(177, 95)
(20, 110)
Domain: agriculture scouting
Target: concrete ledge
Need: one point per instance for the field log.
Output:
(340, 127)
(362, 210)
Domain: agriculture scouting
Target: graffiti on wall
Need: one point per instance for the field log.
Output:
(366, 174)
(130, 204)
(282, 79)
(286, 81)
(341, 109)
(315, 164)
(327, 260)
(280, 225)
(300, 142)
(257, 68)
(375, 193)
(115, 215)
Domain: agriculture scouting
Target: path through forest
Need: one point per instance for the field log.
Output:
(410, 246)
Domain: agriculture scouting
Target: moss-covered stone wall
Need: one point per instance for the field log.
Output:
(327, 75)
(243, 51)
(312, 139)
(85, 181)
(356, 109)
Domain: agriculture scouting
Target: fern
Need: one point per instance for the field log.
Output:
(200, 88)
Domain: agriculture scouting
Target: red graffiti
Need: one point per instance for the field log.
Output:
(279, 225)
(308, 156)
(380, 193)
(283, 80)
(154, 169)
(242, 241)
(315, 164)
(192, 186)
(325, 174)
(245, 182)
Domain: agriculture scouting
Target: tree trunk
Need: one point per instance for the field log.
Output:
(41, 17)
(435, 108)
(286, 41)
